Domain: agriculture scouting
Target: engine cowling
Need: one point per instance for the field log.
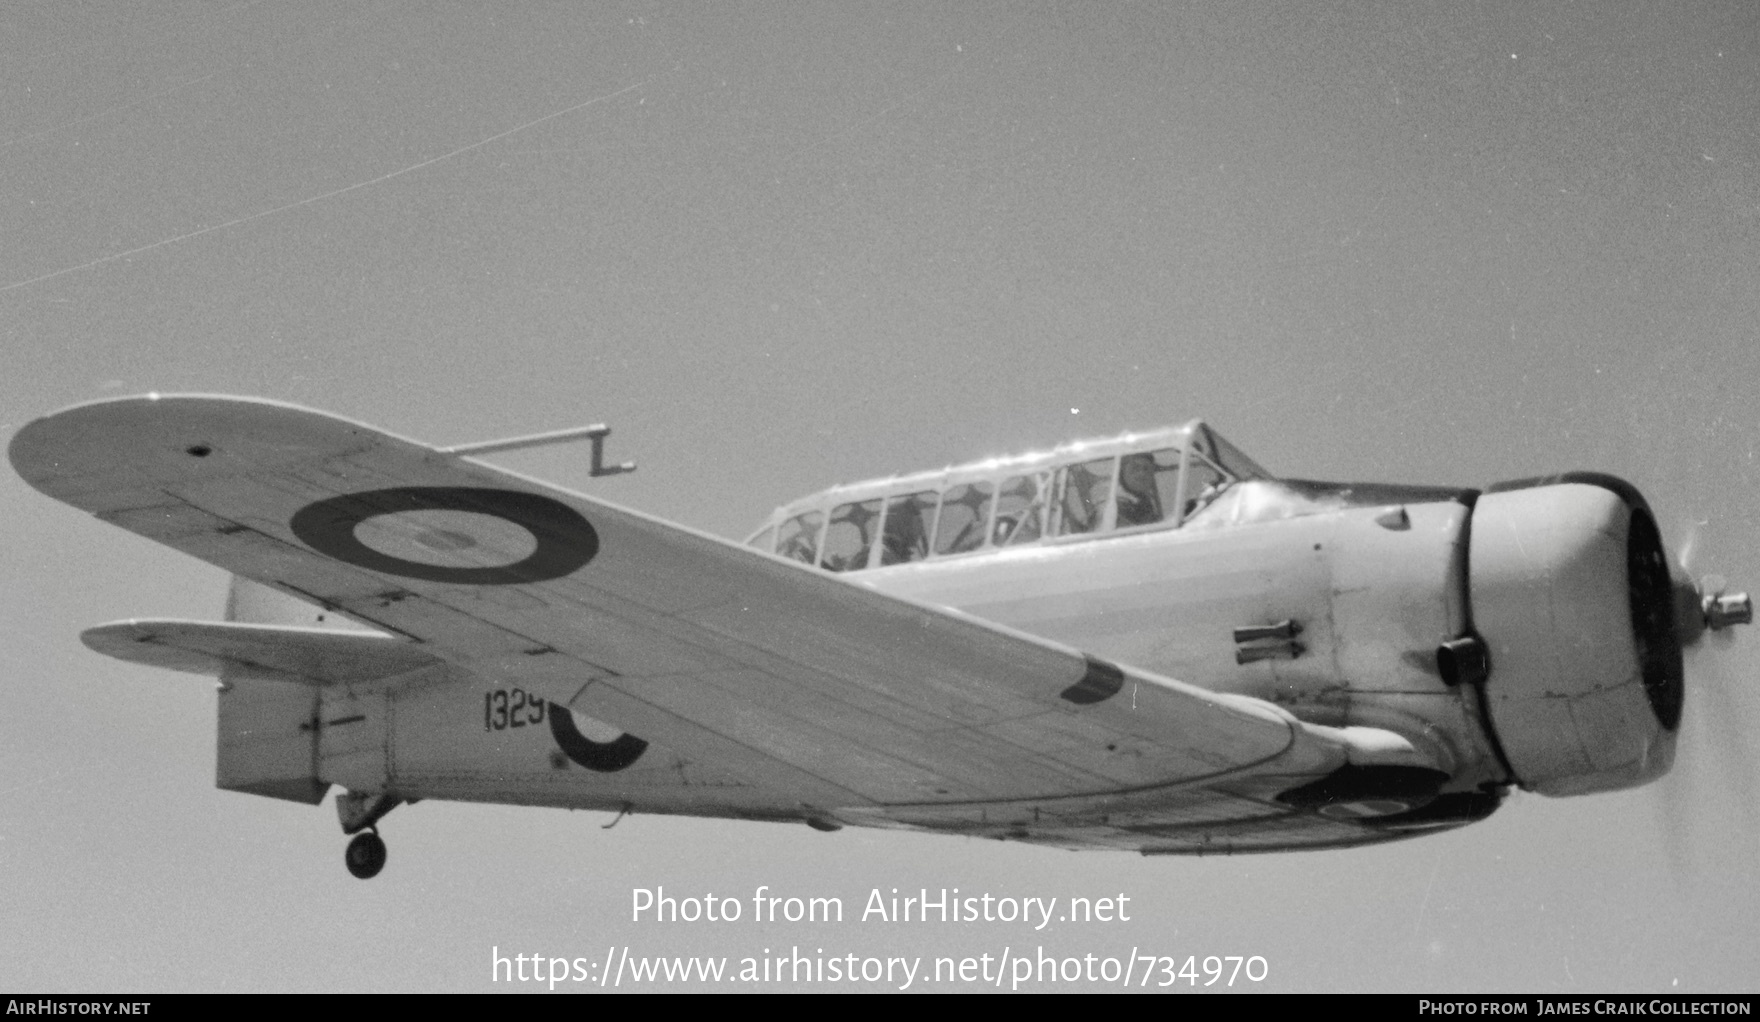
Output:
(1571, 592)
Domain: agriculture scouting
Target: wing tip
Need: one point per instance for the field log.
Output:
(105, 445)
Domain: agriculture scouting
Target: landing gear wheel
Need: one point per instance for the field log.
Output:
(366, 855)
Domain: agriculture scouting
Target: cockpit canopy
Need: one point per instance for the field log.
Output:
(1135, 482)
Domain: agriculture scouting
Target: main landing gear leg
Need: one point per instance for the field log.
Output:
(361, 811)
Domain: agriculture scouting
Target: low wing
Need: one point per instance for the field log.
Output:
(799, 680)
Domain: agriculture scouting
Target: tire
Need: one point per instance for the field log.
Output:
(365, 856)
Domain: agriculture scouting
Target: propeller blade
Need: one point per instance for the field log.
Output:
(1689, 546)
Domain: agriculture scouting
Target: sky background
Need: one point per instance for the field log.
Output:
(778, 246)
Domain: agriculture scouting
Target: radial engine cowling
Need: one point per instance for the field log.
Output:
(1572, 595)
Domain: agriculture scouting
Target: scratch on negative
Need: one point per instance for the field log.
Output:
(381, 179)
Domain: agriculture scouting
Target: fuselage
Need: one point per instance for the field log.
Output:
(1347, 606)
(1372, 605)
(1368, 603)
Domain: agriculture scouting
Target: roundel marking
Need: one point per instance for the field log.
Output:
(429, 532)
(605, 757)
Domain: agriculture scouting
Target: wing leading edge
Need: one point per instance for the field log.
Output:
(801, 681)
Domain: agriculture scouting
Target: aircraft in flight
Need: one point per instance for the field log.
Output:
(1146, 643)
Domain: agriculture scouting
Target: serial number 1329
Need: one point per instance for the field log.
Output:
(511, 707)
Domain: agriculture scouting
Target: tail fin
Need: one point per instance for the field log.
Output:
(268, 738)
(258, 604)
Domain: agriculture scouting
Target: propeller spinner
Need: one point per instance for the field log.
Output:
(1722, 610)
(1707, 605)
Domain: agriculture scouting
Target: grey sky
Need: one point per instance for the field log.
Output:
(794, 244)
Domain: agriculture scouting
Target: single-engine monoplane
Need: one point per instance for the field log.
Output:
(1146, 642)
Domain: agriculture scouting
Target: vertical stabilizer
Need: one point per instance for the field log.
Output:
(268, 739)
(259, 604)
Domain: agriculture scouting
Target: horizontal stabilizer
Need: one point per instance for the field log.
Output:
(313, 656)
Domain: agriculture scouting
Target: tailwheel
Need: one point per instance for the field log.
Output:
(366, 855)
